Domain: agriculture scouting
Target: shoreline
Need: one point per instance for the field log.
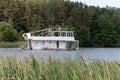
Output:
(11, 44)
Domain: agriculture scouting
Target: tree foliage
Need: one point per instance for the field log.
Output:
(7, 33)
(84, 36)
(93, 26)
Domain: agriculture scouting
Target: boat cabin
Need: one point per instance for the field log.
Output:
(51, 39)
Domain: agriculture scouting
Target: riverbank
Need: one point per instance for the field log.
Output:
(77, 69)
(11, 44)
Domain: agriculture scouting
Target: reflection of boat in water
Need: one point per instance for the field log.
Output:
(50, 39)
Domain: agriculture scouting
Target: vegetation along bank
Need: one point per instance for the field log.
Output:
(77, 69)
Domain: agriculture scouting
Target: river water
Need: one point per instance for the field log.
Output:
(110, 54)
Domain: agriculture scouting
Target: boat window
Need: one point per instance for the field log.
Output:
(50, 34)
(56, 33)
(63, 33)
(70, 34)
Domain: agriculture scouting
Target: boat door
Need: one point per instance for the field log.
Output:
(57, 44)
(29, 44)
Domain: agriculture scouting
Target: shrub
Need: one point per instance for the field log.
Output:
(7, 32)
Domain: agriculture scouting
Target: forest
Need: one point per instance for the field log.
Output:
(93, 26)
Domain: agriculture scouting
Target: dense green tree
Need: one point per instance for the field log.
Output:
(20, 35)
(106, 35)
(84, 36)
(37, 23)
(7, 33)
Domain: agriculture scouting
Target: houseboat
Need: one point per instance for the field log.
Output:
(51, 38)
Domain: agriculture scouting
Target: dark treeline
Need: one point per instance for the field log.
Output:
(93, 26)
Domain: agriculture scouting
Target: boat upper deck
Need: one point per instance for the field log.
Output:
(51, 34)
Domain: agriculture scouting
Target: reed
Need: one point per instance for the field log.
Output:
(77, 69)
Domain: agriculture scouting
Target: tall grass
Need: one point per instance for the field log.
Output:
(77, 69)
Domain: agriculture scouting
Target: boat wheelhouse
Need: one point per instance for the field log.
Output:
(51, 38)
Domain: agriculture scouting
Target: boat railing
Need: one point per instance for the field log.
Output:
(52, 29)
(43, 33)
(53, 32)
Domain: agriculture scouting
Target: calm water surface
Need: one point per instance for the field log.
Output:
(111, 54)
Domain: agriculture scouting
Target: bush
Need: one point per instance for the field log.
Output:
(7, 32)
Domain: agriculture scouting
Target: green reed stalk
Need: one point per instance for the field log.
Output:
(69, 69)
